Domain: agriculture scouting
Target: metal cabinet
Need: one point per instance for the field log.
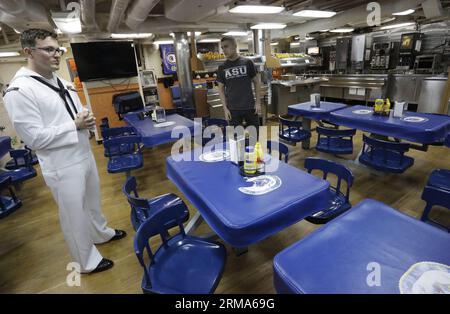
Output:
(431, 93)
(405, 88)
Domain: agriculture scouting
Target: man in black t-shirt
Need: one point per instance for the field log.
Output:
(235, 77)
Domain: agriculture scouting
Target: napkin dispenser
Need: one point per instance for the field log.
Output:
(399, 108)
(237, 150)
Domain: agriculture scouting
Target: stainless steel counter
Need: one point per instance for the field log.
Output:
(422, 89)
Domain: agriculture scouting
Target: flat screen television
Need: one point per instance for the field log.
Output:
(104, 60)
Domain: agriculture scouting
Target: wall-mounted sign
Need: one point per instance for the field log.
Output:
(168, 58)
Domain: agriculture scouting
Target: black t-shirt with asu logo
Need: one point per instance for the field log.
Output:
(237, 77)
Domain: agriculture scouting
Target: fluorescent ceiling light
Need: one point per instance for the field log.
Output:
(17, 32)
(397, 25)
(209, 40)
(66, 23)
(274, 44)
(163, 42)
(309, 38)
(315, 13)
(139, 35)
(9, 54)
(406, 12)
(295, 44)
(256, 9)
(324, 30)
(235, 33)
(342, 30)
(268, 26)
(196, 33)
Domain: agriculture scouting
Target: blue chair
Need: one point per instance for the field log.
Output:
(385, 156)
(23, 168)
(110, 133)
(335, 141)
(8, 204)
(104, 124)
(19, 163)
(338, 202)
(282, 149)
(434, 196)
(176, 96)
(292, 131)
(124, 154)
(439, 178)
(183, 264)
(142, 209)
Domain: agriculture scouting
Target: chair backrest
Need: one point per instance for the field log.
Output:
(385, 146)
(130, 190)
(157, 224)
(119, 131)
(122, 145)
(335, 132)
(175, 91)
(376, 143)
(21, 157)
(328, 166)
(436, 197)
(282, 149)
(286, 123)
(126, 102)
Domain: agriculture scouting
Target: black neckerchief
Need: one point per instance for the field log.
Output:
(62, 92)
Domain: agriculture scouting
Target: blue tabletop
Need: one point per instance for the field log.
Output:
(5, 145)
(447, 140)
(425, 128)
(241, 219)
(152, 135)
(315, 113)
(335, 258)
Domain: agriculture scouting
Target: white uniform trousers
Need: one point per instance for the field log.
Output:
(76, 190)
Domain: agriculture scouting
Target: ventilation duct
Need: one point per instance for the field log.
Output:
(191, 10)
(22, 14)
(118, 8)
(138, 12)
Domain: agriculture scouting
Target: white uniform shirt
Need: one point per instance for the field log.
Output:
(40, 117)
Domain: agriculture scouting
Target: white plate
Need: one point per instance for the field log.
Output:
(164, 124)
(414, 119)
(362, 111)
(215, 156)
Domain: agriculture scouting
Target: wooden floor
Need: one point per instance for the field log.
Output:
(33, 254)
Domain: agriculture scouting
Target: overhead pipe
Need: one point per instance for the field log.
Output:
(138, 12)
(118, 8)
(88, 15)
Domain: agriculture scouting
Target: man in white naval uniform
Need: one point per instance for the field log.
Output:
(48, 116)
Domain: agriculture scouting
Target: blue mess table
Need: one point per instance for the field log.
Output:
(306, 110)
(242, 219)
(423, 128)
(154, 134)
(309, 112)
(339, 257)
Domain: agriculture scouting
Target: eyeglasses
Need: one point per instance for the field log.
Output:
(51, 50)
